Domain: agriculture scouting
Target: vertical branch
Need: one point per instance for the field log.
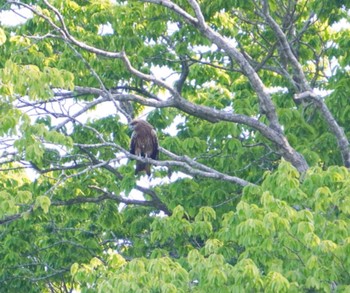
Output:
(287, 49)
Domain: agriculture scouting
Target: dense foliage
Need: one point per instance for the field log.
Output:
(250, 100)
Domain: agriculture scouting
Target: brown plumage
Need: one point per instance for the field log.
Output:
(144, 143)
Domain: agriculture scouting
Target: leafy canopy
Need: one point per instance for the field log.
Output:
(250, 100)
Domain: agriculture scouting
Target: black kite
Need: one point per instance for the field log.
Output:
(144, 143)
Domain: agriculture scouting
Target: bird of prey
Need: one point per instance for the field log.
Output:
(144, 143)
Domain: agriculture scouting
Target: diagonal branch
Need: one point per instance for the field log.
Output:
(192, 167)
(215, 115)
(198, 12)
(205, 168)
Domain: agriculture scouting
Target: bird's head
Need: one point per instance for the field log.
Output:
(133, 124)
(137, 124)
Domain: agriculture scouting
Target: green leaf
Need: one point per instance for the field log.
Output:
(43, 202)
(24, 196)
(275, 282)
(94, 263)
(74, 269)
(194, 257)
(34, 152)
(26, 215)
(205, 214)
(178, 212)
(213, 246)
(2, 36)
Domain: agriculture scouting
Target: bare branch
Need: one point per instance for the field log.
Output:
(286, 48)
(204, 168)
(190, 166)
(148, 77)
(198, 12)
(64, 32)
(82, 111)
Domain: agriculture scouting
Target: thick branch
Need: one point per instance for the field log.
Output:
(198, 12)
(214, 115)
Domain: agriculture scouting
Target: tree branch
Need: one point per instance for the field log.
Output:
(192, 167)
(298, 71)
(214, 115)
(204, 168)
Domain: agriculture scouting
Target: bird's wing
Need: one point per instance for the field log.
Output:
(155, 150)
(133, 143)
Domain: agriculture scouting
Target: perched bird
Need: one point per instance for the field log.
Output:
(144, 143)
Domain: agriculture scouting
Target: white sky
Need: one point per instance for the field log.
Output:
(11, 18)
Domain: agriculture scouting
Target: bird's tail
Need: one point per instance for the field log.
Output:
(140, 166)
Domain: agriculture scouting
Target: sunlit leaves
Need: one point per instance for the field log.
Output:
(136, 276)
(275, 282)
(9, 119)
(7, 204)
(29, 80)
(24, 196)
(43, 202)
(2, 37)
(247, 275)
